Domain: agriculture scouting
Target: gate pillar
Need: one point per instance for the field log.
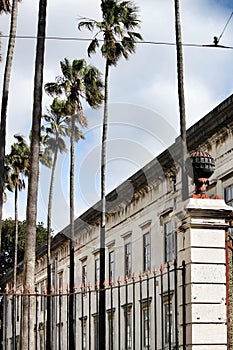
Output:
(201, 245)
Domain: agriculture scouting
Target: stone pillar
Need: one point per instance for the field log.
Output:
(201, 244)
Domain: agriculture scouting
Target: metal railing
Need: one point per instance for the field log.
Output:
(142, 312)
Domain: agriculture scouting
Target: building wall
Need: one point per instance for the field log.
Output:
(145, 203)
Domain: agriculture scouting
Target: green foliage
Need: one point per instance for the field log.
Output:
(117, 30)
(7, 247)
(78, 81)
(5, 6)
(17, 164)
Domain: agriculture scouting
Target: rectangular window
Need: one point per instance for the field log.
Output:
(146, 252)
(84, 330)
(42, 339)
(170, 241)
(111, 330)
(60, 335)
(111, 266)
(128, 328)
(168, 321)
(60, 281)
(60, 287)
(96, 345)
(42, 299)
(128, 260)
(229, 195)
(146, 326)
(84, 277)
(97, 271)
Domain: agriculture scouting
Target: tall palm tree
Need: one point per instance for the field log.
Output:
(17, 162)
(180, 78)
(56, 127)
(119, 20)
(18, 167)
(5, 7)
(78, 81)
(30, 231)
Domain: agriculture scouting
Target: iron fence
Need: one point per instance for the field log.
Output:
(143, 312)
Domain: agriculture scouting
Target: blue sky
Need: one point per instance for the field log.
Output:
(144, 116)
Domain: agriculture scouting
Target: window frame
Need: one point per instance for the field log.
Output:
(146, 251)
(169, 241)
(128, 259)
(97, 271)
(111, 264)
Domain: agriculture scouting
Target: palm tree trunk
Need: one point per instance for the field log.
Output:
(102, 295)
(71, 299)
(49, 269)
(15, 267)
(5, 95)
(184, 177)
(16, 235)
(31, 215)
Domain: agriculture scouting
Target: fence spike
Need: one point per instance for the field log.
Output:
(126, 279)
(133, 277)
(29, 289)
(147, 273)
(7, 288)
(140, 275)
(89, 285)
(119, 281)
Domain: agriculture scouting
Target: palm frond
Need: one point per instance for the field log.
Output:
(93, 46)
(90, 25)
(5, 6)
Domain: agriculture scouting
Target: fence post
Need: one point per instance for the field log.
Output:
(201, 244)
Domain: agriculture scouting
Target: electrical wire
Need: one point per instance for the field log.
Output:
(225, 26)
(163, 43)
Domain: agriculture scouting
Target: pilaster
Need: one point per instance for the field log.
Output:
(201, 244)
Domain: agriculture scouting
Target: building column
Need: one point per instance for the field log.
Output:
(201, 245)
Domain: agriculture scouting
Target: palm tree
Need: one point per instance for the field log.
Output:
(5, 7)
(56, 127)
(30, 231)
(78, 81)
(184, 177)
(17, 163)
(120, 18)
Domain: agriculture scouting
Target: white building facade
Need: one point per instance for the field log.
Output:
(143, 220)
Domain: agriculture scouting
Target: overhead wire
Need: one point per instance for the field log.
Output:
(225, 26)
(163, 43)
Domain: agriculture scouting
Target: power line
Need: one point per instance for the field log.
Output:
(162, 43)
(225, 26)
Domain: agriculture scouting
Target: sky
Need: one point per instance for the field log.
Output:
(143, 97)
